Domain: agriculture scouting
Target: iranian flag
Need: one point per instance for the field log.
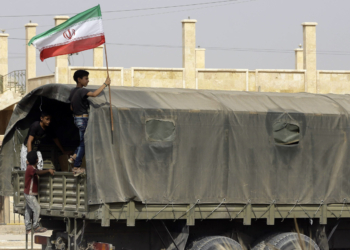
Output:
(81, 32)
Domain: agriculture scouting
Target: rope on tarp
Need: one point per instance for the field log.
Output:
(160, 211)
(268, 208)
(110, 212)
(341, 212)
(310, 219)
(242, 209)
(318, 209)
(278, 211)
(253, 211)
(228, 212)
(188, 210)
(290, 210)
(215, 209)
(200, 211)
(121, 211)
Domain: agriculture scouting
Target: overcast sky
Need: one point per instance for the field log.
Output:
(236, 34)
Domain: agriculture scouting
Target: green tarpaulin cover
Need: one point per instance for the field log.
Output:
(180, 145)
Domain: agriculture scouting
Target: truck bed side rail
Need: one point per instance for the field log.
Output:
(61, 194)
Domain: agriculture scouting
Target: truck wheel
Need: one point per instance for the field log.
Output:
(216, 243)
(261, 243)
(290, 241)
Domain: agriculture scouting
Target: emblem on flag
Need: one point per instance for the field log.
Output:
(68, 34)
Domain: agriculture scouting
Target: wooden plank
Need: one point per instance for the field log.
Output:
(130, 221)
(51, 190)
(191, 215)
(247, 220)
(105, 221)
(77, 193)
(323, 218)
(64, 184)
(271, 216)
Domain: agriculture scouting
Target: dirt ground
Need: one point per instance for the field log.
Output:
(12, 237)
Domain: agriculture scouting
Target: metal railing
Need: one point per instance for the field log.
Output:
(14, 81)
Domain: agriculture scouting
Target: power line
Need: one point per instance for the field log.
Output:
(321, 52)
(128, 10)
(162, 13)
(168, 12)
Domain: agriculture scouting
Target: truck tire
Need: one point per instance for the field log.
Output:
(290, 241)
(216, 243)
(261, 243)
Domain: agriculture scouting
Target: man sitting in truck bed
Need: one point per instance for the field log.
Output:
(38, 131)
(80, 107)
(30, 193)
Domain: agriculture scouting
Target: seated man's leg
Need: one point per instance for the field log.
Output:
(40, 164)
(81, 124)
(24, 152)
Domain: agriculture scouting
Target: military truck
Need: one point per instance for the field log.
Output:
(190, 169)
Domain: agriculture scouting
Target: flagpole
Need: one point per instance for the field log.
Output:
(109, 88)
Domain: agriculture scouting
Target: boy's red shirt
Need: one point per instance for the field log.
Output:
(29, 175)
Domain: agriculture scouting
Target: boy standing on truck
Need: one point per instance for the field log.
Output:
(80, 107)
(38, 131)
(30, 193)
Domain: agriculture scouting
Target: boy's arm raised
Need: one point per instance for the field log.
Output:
(99, 90)
(41, 172)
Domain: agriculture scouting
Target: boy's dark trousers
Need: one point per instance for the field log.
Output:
(81, 123)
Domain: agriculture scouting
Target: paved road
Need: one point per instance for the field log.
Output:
(13, 238)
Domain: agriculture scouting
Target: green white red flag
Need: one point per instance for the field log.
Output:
(81, 32)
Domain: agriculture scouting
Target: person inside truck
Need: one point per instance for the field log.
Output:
(31, 192)
(37, 132)
(80, 107)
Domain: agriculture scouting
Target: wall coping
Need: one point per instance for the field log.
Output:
(160, 69)
(282, 70)
(189, 21)
(95, 68)
(309, 24)
(61, 17)
(224, 70)
(31, 25)
(37, 77)
(4, 35)
(334, 71)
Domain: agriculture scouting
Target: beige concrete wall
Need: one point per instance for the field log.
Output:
(222, 79)
(252, 81)
(3, 59)
(30, 53)
(157, 77)
(336, 82)
(200, 58)
(309, 39)
(291, 81)
(98, 76)
(299, 58)
(188, 52)
(127, 77)
(98, 56)
(61, 61)
(39, 81)
(14, 218)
